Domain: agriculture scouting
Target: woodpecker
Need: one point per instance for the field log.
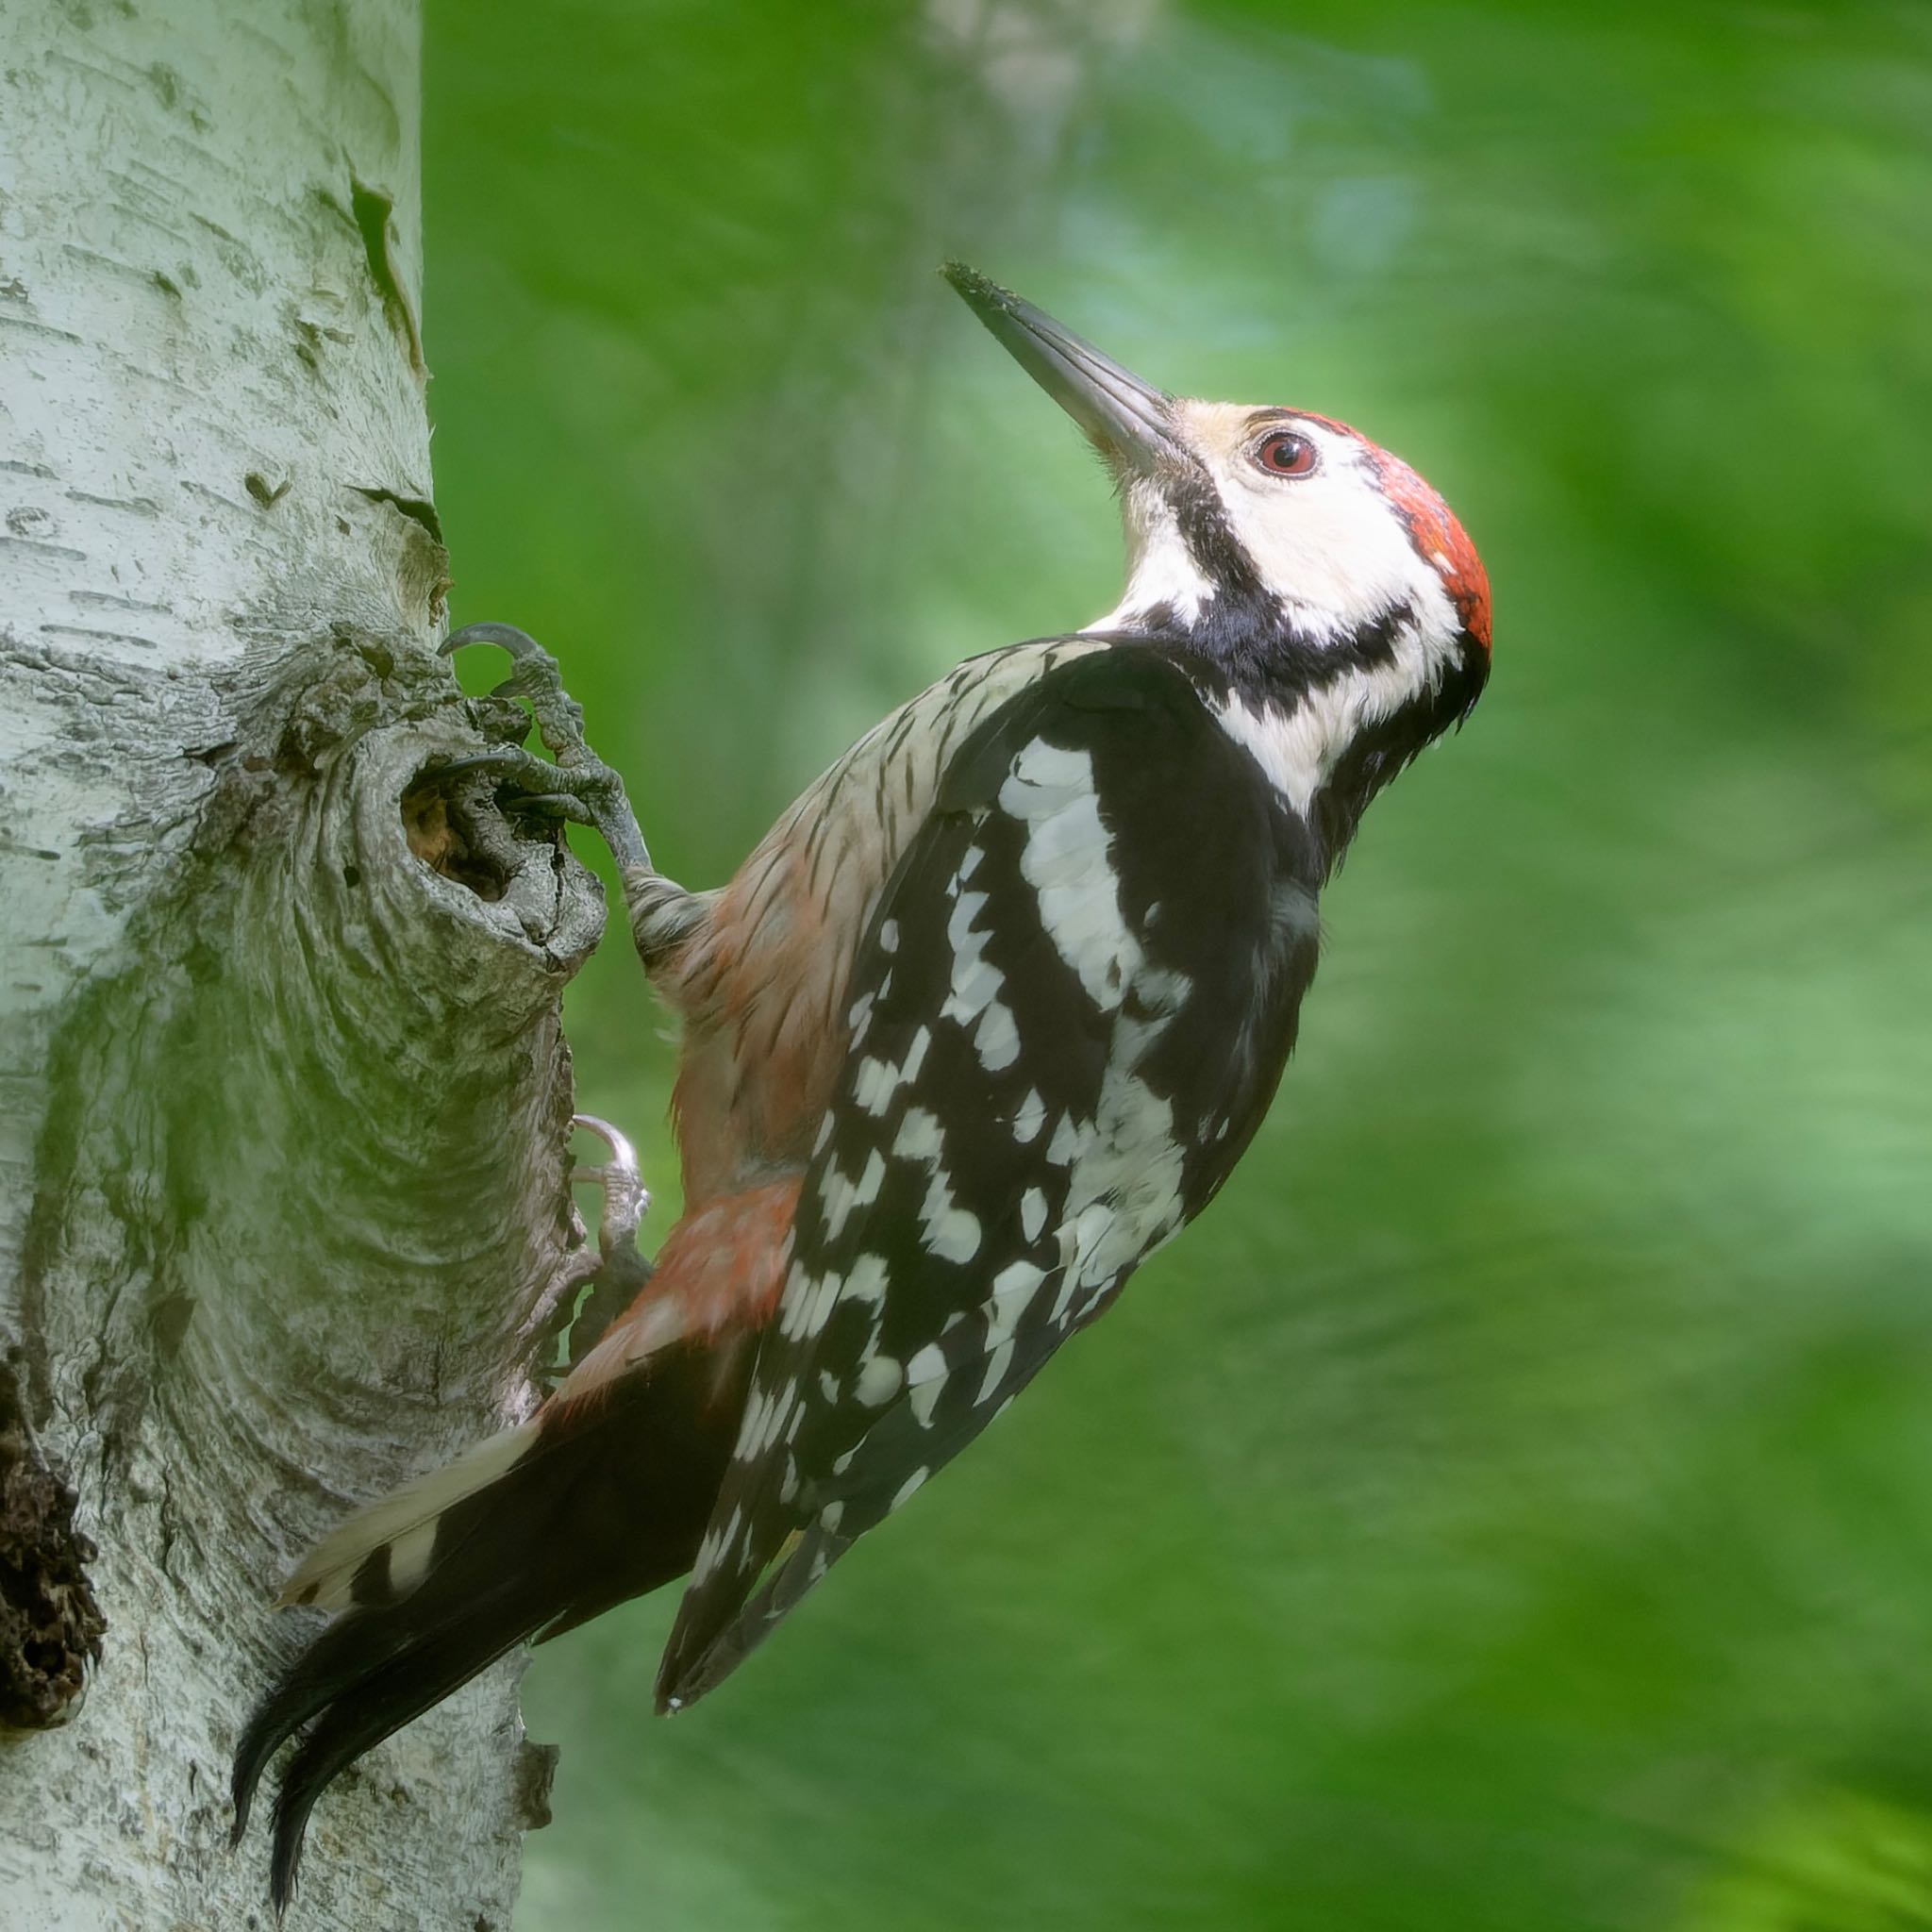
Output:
(989, 1015)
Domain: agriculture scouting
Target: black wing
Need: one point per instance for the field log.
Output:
(1068, 1018)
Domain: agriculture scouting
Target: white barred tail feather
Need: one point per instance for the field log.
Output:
(532, 1532)
(399, 1528)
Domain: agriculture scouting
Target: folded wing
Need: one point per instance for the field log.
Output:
(1069, 1014)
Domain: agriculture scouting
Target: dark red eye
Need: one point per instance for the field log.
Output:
(1284, 454)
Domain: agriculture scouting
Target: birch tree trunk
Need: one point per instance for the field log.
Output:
(284, 1102)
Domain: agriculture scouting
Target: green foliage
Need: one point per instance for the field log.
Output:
(1511, 1508)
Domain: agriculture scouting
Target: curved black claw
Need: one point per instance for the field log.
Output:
(537, 677)
(623, 1272)
(627, 1200)
(518, 643)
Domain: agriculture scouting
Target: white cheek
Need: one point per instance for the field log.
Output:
(1330, 548)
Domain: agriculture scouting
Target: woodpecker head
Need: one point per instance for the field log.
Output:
(1323, 593)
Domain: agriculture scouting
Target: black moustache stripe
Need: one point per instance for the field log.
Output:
(1202, 518)
(1244, 630)
(1253, 648)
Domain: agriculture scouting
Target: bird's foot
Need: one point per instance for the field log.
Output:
(627, 1200)
(622, 1273)
(579, 787)
(536, 677)
(587, 792)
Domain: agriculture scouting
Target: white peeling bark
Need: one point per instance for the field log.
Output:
(283, 1096)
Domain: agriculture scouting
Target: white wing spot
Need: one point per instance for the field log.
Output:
(996, 1040)
(1069, 1141)
(909, 1486)
(873, 1089)
(997, 1364)
(960, 931)
(842, 1196)
(952, 1232)
(866, 1281)
(792, 1309)
(1066, 862)
(929, 1362)
(815, 1308)
(1032, 1213)
(975, 985)
(915, 1054)
(716, 1547)
(920, 1138)
(1013, 1287)
(750, 1428)
(707, 1556)
(975, 979)
(879, 1382)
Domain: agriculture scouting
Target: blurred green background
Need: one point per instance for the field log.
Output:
(1511, 1508)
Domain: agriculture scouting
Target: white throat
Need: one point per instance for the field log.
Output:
(1162, 570)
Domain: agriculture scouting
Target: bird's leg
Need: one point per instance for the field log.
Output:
(622, 1273)
(580, 787)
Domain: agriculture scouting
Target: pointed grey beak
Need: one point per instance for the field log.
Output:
(1123, 418)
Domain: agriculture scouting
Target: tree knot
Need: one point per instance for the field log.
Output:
(50, 1624)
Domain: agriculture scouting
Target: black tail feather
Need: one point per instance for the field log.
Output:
(322, 1672)
(610, 1504)
(421, 1674)
(358, 1645)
